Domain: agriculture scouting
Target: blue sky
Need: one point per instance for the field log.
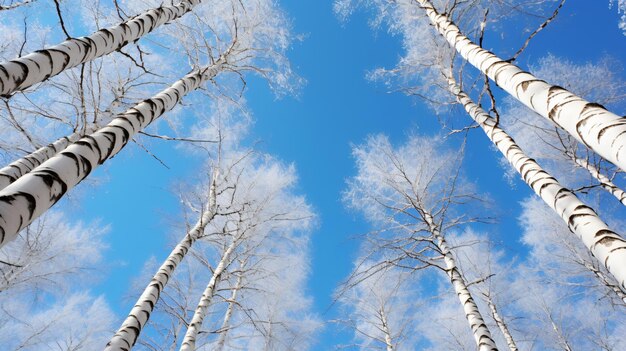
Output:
(337, 107)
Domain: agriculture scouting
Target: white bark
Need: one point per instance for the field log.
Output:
(19, 167)
(128, 333)
(606, 245)
(480, 331)
(590, 123)
(502, 325)
(189, 341)
(605, 182)
(21, 73)
(34, 193)
(221, 342)
(385, 328)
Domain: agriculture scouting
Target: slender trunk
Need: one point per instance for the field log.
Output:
(34, 193)
(501, 324)
(590, 123)
(21, 73)
(606, 245)
(221, 342)
(128, 333)
(385, 328)
(19, 167)
(481, 332)
(605, 182)
(189, 341)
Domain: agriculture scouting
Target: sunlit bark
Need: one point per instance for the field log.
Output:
(588, 122)
(480, 331)
(128, 333)
(21, 73)
(606, 245)
(189, 341)
(34, 193)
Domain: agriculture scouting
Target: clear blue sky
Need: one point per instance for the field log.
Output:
(336, 108)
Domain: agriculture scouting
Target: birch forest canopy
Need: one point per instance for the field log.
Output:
(321, 175)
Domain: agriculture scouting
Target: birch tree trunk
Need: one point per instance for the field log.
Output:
(385, 329)
(606, 245)
(128, 333)
(19, 167)
(34, 193)
(605, 182)
(189, 341)
(501, 324)
(221, 342)
(481, 332)
(590, 123)
(21, 73)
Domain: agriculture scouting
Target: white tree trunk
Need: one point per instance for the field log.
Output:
(606, 245)
(34, 193)
(590, 123)
(386, 331)
(19, 167)
(605, 182)
(23, 72)
(221, 342)
(502, 325)
(480, 331)
(128, 333)
(189, 341)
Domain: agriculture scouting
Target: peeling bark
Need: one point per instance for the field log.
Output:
(21, 73)
(588, 122)
(606, 245)
(34, 193)
(128, 333)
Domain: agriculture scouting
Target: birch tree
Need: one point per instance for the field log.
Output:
(555, 149)
(25, 71)
(73, 104)
(581, 219)
(256, 211)
(45, 185)
(588, 122)
(126, 336)
(410, 190)
(260, 207)
(380, 310)
(561, 199)
(562, 256)
(273, 310)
